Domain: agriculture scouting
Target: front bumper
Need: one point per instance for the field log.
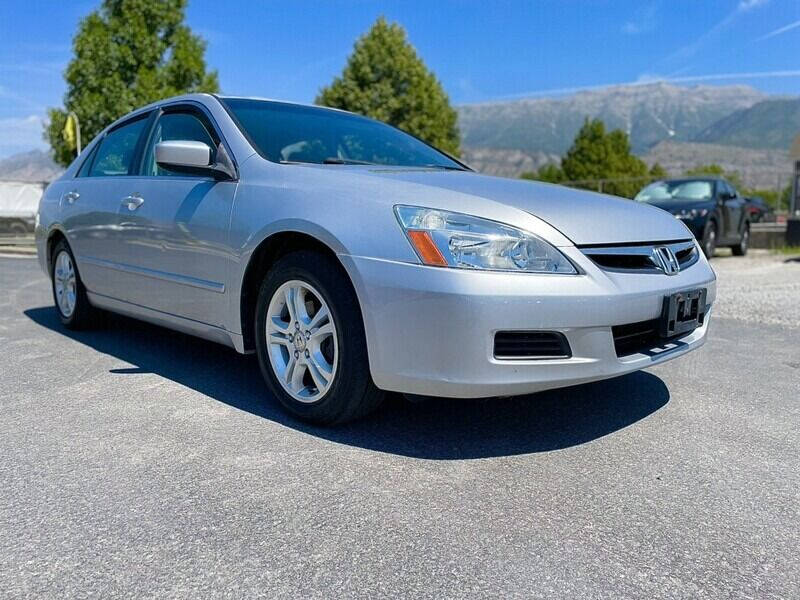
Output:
(430, 330)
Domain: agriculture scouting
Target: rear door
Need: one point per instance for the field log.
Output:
(90, 203)
(174, 226)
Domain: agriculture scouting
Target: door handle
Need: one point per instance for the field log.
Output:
(133, 202)
(71, 197)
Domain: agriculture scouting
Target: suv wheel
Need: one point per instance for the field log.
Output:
(740, 249)
(311, 343)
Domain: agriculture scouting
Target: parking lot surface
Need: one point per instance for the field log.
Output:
(135, 461)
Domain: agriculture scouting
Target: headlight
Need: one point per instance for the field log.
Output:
(447, 239)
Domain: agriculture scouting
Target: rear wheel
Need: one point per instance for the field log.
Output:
(740, 249)
(69, 294)
(311, 343)
(18, 228)
(710, 239)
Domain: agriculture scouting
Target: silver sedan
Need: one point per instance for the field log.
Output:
(355, 259)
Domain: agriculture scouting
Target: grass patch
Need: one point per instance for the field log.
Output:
(786, 250)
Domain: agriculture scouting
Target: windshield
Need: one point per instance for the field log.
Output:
(676, 190)
(289, 133)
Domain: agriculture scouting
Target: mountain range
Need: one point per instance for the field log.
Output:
(33, 166)
(769, 124)
(739, 126)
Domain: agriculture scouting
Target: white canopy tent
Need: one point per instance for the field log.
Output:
(19, 199)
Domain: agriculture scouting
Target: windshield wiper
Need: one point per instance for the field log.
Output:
(444, 167)
(335, 160)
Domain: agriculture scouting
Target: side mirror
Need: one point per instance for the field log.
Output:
(192, 157)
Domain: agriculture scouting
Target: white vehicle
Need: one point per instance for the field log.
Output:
(19, 202)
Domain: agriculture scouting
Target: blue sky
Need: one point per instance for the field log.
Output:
(481, 50)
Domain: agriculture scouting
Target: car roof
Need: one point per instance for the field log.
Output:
(159, 103)
(200, 97)
(286, 103)
(710, 178)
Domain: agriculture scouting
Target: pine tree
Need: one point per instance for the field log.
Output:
(127, 54)
(596, 154)
(385, 79)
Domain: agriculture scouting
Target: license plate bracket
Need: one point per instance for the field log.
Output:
(683, 312)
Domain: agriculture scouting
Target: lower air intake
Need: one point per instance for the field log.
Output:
(519, 345)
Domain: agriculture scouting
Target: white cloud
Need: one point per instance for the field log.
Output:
(779, 31)
(745, 5)
(691, 48)
(643, 21)
(21, 134)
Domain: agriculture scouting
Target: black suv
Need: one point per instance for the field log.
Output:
(709, 206)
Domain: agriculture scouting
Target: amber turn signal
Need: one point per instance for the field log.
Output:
(426, 249)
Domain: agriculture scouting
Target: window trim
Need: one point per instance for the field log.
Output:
(88, 161)
(197, 109)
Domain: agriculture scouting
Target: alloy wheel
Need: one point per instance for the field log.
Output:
(65, 283)
(301, 339)
(711, 241)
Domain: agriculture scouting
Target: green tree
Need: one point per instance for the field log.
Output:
(714, 170)
(596, 154)
(385, 79)
(710, 169)
(550, 173)
(127, 54)
(658, 172)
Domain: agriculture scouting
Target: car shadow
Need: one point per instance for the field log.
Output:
(438, 429)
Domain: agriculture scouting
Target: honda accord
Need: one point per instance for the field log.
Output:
(355, 259)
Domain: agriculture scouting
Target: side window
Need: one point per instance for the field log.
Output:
(87, 164)
(725, 189)
(175, 126)
(117, 151)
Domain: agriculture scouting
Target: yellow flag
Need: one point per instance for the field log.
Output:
(69, 132)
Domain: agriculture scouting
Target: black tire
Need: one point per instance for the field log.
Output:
(18, 228)
(710, 239)
(352, 393)
(84, 315)
(740, 249)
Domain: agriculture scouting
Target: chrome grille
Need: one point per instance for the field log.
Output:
(642, 258)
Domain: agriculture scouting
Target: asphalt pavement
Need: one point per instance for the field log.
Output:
(135, 461)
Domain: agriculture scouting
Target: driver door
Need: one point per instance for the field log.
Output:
(175, 227)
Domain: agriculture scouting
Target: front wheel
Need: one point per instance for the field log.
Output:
(710, 239)
(740, 249)
(311, 343)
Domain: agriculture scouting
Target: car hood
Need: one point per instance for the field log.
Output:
(586, 218)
